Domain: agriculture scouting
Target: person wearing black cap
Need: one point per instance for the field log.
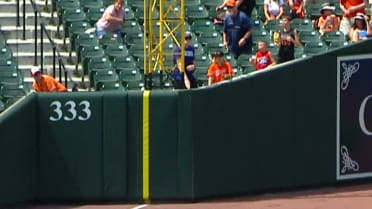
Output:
(219, 69)
(361, 29)
(184, 79)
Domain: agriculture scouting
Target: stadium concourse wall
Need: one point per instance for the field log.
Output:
(270, 130)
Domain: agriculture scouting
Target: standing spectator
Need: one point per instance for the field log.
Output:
(237, 31)
(350, 8)
(220, 69)
(112, 20)
(184, 79)
(45, 83)
(273, 9)
(361, 29)
(296, 8)
(328, 21)
(288, 40)
(263, 58)
(245, 6)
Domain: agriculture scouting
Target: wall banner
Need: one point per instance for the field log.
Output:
(354, 117)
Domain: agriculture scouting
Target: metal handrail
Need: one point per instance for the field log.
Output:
(56, 51)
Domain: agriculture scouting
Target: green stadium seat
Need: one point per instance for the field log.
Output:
(196, 12)
(302, 24)
(313, 48)
(131, 79)
(71, 15)
(274, 25)
(106, 79)
(94, 14)
(111, 39)
(87, 53)
(6, 53)
(309, 36)
(82, 40)
(127, 62)
(97, 64)
(333, 36)
(335, 45)
(91, 4)
(119, 50)
(201, 26)
(74, 29)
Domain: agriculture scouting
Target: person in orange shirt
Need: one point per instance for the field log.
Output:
(220, 69)
(45, 83)
(328, 21)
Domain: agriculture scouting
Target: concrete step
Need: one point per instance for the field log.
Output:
(14, 32)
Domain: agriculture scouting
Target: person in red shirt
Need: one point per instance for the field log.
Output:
(263, 58)
(219, 69)
(350, 8)
(45, 83)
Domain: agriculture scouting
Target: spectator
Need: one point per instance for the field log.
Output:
(288, 39)
(328, 21)
(45, 83)
(237, 31)
(245, 6)
(273, 9)
(111, 20)
(184, 79)
(350, 8)
(263, 58)
(296, 8)
(220, 69)
(361, 29)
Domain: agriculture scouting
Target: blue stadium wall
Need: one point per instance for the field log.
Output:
(270, 130)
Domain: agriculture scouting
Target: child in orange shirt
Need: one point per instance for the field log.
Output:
(328, 21)
(263, 58)
(220, 69)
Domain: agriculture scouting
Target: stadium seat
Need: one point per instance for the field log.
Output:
(302, 24)
(105, 79)
(333, 36)
(111, 39)
(201, 26)
(96, 64)
(211, 39)
(196, 12)
(335, 44)
(118, 50)
(87, 53)
(201, 75)
(6, 53)
(82, 40)
(274, 25)
(69, 16)
(94, 14)
(127, 62)
(309, 36)
(91, 4)
(313, 48)
(131, 79)
(74, 29)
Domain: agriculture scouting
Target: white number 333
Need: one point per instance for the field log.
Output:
(69, 111)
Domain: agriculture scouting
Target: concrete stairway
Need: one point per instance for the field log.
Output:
(24, 49)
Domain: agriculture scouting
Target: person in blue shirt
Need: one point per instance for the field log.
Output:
(185, 79)
(237, 31)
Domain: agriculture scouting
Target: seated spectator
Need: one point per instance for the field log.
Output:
(273, 9)
(361, 28)
(328, 21)
(111, 20)
(219, 69)
(296, 8)
(263, 58)
(45, 83)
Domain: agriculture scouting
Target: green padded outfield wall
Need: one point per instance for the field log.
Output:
(269, 130)
(272, 130)
(83, 151)
(18, 152)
